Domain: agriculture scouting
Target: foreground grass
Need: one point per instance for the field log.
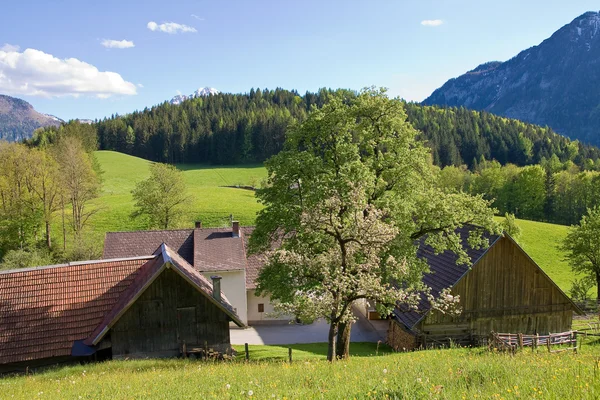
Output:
(435, 374)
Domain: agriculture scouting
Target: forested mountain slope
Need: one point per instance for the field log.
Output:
(556, 83)
(239, 128)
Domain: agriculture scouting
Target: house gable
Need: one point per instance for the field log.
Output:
(166, 259)
(167, 314)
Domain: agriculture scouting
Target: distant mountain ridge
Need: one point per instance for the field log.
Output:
(202, 92)
(556, 83)
(18, 119)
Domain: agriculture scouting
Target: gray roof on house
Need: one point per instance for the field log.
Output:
(207, 249)
(142, 243)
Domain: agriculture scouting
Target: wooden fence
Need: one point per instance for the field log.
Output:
(554, 342)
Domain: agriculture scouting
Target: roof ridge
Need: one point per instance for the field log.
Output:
(155, 230)
(180, 229)
(75, 263)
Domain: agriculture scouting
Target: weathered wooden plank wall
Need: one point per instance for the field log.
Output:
(504, 292)
(169, 312)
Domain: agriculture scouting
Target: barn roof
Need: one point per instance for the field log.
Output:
(444, 272)
(44, 310)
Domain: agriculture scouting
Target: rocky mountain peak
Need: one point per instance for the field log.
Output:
(555, 83)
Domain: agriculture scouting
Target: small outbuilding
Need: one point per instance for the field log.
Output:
(149, 306)
(502, 290)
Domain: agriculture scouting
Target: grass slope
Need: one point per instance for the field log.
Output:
(213, 203)
(431, 374)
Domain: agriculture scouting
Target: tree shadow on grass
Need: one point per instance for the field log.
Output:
(308, 351)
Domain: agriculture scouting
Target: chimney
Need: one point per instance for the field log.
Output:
(198, 224)
(216, 282)
(235, 228)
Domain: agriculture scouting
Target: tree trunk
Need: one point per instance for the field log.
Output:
(48, 237)
(64, 229)
(332, 341)
(343, 340)
(597, 286)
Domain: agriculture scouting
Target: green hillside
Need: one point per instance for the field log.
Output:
(214, 202)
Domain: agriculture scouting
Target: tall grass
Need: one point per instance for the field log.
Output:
(432, 374)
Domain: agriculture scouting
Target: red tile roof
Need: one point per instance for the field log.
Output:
(43, 310)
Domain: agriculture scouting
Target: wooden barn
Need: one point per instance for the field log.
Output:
(501, 290)
(152, 306)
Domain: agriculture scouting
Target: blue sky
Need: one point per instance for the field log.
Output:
(236, 45)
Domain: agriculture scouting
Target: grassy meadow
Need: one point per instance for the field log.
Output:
(431, 374)
(213, 202)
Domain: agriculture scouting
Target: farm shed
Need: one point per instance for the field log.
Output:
(145, 306)
(501, 290)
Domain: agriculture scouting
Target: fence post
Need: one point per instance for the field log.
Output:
(290, 354)
(535, 342)
(548, 342)
(520, 338)
(247, 353)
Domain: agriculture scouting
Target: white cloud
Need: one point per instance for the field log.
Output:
(35, 73)
(197, 17)
(432, 22)
(170, 27)
(140, 85)
(117, 44)
(9, 47)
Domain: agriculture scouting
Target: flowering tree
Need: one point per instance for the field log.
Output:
(347, 200)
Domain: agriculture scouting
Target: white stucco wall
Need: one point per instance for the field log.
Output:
(254, 315)
(233, 285)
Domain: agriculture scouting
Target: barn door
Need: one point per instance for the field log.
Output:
(186, 325)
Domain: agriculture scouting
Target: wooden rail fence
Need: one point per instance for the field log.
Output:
(554, 342)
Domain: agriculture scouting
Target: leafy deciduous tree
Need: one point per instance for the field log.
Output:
(348, 198)
(161, 198)
(80, 180)
(582, 245)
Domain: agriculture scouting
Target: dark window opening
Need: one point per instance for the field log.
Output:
(261, 308)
